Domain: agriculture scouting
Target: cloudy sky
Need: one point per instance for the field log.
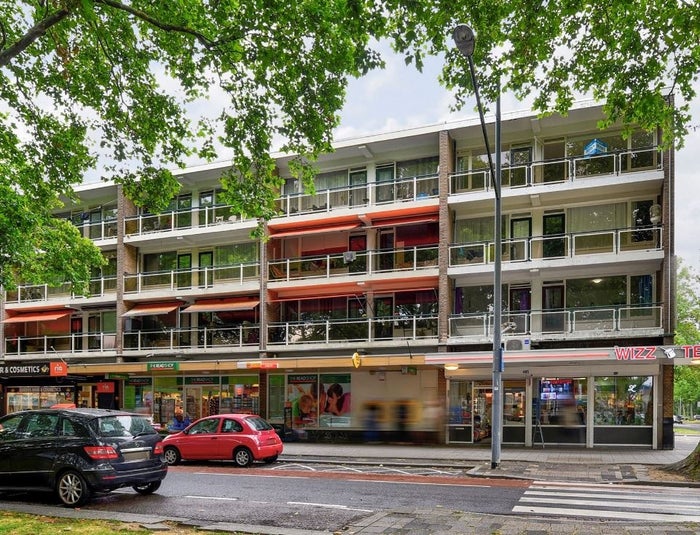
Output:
(399, 97)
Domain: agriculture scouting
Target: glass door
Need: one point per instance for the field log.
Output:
(554, 244)
(184, 270)
(553, 313)
(520, 232)
(205, 272)
(482, 403)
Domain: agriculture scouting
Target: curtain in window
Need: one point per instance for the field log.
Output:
(417, 167)
(474, 230)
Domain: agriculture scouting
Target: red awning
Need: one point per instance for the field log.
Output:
(315, 230)
(398, 221)
(218, 305)
(151, 309)
(46, 315)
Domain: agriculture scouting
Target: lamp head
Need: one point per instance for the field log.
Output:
(464, 39)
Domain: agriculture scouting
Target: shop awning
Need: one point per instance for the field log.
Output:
(44, 315)
(218, 305)
(151, 309)
(315, 230)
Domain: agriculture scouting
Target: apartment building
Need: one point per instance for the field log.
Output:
(367, 314)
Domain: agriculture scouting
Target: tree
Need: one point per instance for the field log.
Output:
(686, 383)
(123, 88)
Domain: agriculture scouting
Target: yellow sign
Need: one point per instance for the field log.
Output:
(356, 360)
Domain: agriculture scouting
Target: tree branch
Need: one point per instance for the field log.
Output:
(37, 31)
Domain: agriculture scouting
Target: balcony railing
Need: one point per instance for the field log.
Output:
(98, 287)
(354, 262)
(181, 219)
(559, 170)
(203, 277)
(618, 241)
(585, 320)
(408, 189)
(60, 344)
(326, 331)
(244, 335)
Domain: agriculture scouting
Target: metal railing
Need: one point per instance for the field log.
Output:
(400, 190)
(244, 335)
(582, 320)
(26, 293)
(53, 344)
(616, 241)
(326, 331)
(181, 219)
(201, 277)
(559, 170)
(354, 262)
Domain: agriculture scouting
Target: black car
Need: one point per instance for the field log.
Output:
(79, 452)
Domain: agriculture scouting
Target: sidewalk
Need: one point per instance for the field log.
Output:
(537, 463)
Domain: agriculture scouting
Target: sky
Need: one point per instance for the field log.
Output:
(400, 97)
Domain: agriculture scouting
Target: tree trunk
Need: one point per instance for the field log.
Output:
(689, 467)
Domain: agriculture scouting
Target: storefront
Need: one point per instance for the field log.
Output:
(586, 398)
(45, 384)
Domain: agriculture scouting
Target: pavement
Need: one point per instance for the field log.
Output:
(552, 464)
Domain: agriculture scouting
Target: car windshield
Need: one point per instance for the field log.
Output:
(258, 423)
(124, 425)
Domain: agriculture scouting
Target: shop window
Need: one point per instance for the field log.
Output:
(624, 400)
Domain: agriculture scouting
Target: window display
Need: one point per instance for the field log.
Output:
(624, 400)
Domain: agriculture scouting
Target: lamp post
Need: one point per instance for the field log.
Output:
(464, 39)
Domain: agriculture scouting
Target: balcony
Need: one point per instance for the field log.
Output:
(204, 277)
(353, 263)
(560, 170)
(571, 245)
(409, 189)
(60, 344)
(354, 330)
(98, 287)
(244, 335)
(180, 220)
(607, 321)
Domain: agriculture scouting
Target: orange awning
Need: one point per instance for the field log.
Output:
(315, 230)
(151, 309)
(397, 221)
(46, 315)
(218, 305)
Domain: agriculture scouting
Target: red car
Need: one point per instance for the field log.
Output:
(244, 438)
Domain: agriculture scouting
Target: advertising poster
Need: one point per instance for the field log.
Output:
(302, 393)
(335, 400)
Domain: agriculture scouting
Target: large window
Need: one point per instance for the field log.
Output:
(237, 253)
(417, 167)
(624, 400)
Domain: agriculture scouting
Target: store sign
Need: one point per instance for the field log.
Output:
(163, 366)
(650, 352)
(139, 381)
(256, 365)
(52, 369)
(204, 380)
(105, 388)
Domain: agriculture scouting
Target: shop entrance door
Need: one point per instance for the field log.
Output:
(481, 413)
(193, 402)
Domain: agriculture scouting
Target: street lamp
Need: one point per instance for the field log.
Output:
(464, 39)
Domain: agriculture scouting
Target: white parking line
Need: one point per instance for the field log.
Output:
(331, 506)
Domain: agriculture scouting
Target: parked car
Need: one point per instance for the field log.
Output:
(79, 452)
(677, 419)
(243, 438)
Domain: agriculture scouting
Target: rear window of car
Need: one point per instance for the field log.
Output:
(258, 423)
(123, 425)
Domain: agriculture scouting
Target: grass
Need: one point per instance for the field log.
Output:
(25, 524)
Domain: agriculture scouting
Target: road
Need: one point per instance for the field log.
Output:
(328, 498)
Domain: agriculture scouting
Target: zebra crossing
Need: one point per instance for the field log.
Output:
(611, 502)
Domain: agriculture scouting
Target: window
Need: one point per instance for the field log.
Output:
(624, 400)
(231, 426)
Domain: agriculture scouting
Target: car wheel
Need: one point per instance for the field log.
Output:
(148, 488)
(171, 455)
(242, 457)
(270, 460)
(72, 489)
